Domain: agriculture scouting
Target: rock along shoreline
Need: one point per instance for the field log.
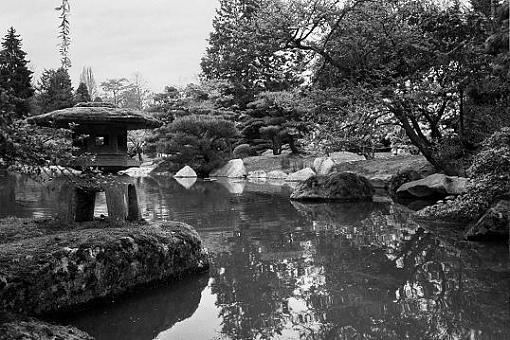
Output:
(46, 269)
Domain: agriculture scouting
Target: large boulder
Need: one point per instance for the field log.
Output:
(186, 172)
(301, 175)
(343, 186)
(493, 225)
(323, 165)
(233, 169)
(433, 186)
(63, 269)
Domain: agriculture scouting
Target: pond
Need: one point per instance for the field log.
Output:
(287, 270)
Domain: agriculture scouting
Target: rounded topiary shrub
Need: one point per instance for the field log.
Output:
(244, 150)
(337, 186)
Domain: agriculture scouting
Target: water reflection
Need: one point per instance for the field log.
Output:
(144, 314)
(317, 271)
(186, 182)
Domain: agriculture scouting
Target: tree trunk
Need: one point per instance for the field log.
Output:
(461, 113)
(292, 145)
(422, 144)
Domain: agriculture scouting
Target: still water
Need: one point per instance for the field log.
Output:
(286, 270)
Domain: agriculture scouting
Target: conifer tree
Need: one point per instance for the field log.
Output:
(15, 77)
(82, 94)
(54, 90)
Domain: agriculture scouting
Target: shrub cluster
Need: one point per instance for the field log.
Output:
(489, 180)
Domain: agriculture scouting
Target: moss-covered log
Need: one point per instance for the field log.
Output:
(63, 269)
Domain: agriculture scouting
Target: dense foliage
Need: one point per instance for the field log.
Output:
(436, 71)
(490, 180)
(24, 147)
(200, 141)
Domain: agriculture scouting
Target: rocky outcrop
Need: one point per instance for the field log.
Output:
(344, 187)
(493, 225)
(15, 327)
(323, 165)
(186, 172)
(233, 169)
(301, 175)
(433, 186)
(69, 268)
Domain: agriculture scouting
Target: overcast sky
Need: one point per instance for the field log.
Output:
(162, 39)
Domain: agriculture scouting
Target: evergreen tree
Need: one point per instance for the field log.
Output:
(54, 90)
(15, 77)
(87, 77)
(82, 94)
(241, 53)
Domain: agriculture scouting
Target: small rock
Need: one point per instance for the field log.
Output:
(186, 172)
(233, 169)
(323, 165)
(301, 175)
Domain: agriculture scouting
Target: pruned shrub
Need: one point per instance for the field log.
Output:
(244, 150)
(202, 142)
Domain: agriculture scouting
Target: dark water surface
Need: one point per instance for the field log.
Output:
(286, 270)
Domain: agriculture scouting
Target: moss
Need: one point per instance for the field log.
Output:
(60, 269)
(344, 186)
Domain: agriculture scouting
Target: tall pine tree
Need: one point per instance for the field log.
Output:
(15, 77)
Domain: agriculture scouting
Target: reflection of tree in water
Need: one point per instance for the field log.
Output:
(369, 274)
(406, 284)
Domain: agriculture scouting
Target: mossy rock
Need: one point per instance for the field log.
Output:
(343, 186)
(63, 269)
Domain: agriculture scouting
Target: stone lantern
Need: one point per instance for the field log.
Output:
(105, 127)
